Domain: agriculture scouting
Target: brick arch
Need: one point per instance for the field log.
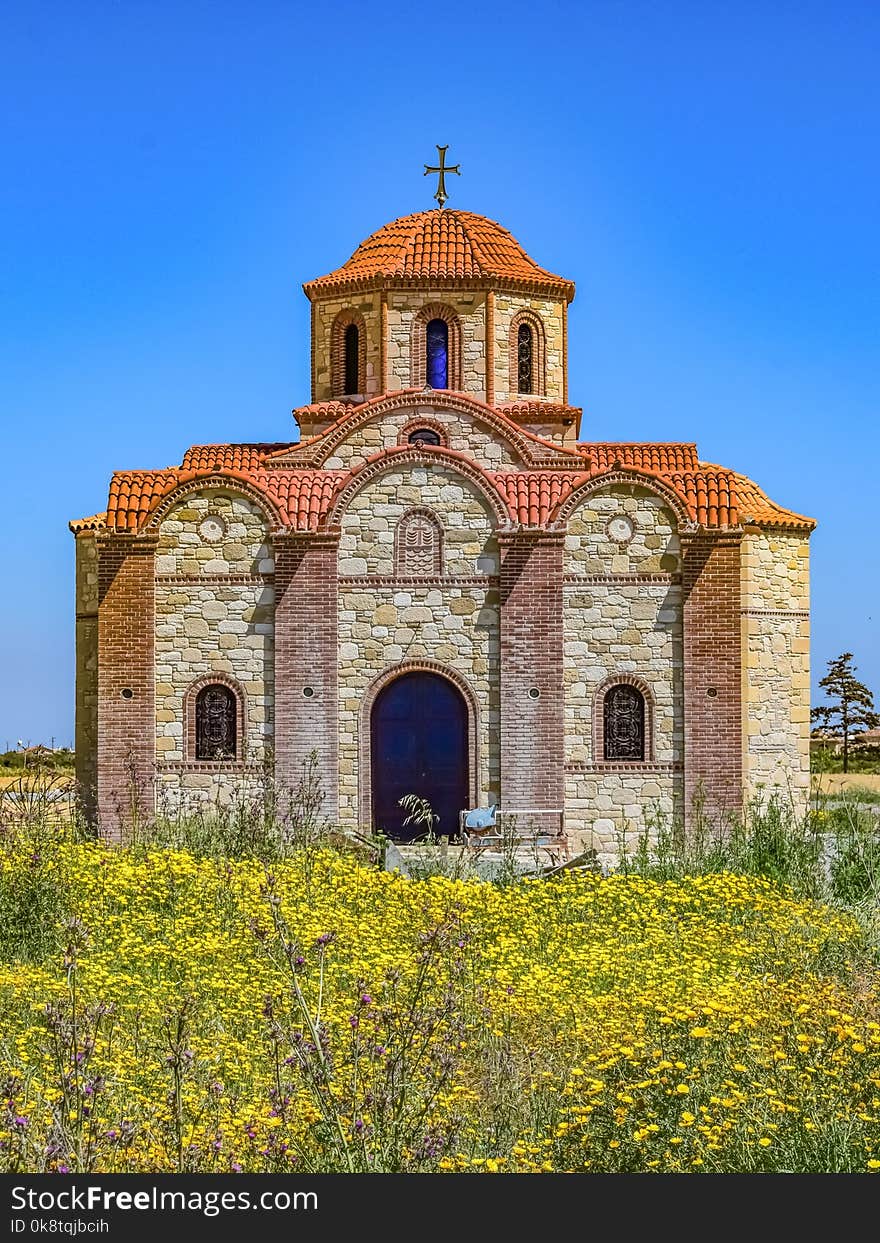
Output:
(400, 559)
(598, 716)
(190, 696)
(412, 455)
(415, 424)
(539, 353)
(614, 478)
(365, 739)
(419, 353)
(337, 352)
(218, 482)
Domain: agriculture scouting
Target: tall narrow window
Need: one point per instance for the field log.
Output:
(216, 723)
(437, 353)
(524, 359)
(352, 357)
(624, 723)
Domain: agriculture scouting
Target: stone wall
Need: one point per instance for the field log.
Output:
(403, 307)
(622, 616)
(214, 616)
(551, 313)
(776, 662)
(463, 432)
(385, 620)
(324, 315)
(86, 726)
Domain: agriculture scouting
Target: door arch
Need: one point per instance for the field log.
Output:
(418, 745)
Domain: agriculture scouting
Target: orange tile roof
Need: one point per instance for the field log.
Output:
(711, 495)
(658, 457)
(533, 496)
(440, 247)
(755, 506)
(96, 522)
(238, 457)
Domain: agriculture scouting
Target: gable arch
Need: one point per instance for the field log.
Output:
(599, 483)
(419, 347)
(527, 449)
(411, 455)
(221, 482)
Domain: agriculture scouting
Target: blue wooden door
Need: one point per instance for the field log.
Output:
(419, 746)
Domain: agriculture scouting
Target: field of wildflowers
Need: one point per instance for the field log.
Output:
(163, 1011)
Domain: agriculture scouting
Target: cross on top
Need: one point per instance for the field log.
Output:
(442, 168)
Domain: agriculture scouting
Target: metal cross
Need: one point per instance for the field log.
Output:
(442, 168)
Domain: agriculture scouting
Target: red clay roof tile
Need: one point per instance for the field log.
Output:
(440, 247)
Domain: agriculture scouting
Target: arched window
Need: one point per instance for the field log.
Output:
(419, 545)
(352, 359)
(528, 354)
(424, 436)
(524, 355)
(216, 723)
(437, 353)
(348, 354)
(624, 723)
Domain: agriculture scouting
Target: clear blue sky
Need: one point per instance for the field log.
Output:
(171, 172)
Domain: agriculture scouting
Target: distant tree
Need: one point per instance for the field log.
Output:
(852, 706)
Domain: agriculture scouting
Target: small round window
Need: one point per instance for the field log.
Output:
(424, 436)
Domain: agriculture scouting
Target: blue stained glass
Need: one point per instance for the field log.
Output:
(437, 349)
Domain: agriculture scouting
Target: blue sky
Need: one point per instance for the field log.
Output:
(171, 173)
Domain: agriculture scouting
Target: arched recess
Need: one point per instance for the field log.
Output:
(190, 698)
(599, 483)
(228, 483)
(348, 319)
(418, 544)
(388, 459)
(419, 351)
(538, 362)
(365, 744)
(598, 717)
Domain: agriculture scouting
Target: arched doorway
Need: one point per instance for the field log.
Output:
(419, 745)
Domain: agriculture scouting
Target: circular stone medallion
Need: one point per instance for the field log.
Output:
(620, 528)
(212, 529)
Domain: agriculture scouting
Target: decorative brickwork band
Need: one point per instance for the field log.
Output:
(532, 696)
(713, 725)
(306, 710)
(126, 681)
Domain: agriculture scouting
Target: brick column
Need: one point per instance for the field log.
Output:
(713, 737)
(126, 681)
(306, 590)
(532, 728)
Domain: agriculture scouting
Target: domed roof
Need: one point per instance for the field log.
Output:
(446, 247)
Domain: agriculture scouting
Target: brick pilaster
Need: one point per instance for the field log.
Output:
(306, 657)
(126, 681)
(532, 729)
(712, 674)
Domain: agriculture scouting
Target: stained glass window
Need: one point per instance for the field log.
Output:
(216, 723)
(437, 353)
(624, 723)
(524, 359)
(351, 359)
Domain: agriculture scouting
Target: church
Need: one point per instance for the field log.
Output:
(439, 588)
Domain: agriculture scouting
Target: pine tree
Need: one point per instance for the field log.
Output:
(852, 706)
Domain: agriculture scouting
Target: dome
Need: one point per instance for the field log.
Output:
(446, 247)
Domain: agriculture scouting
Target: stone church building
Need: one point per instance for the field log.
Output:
(439, 588)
